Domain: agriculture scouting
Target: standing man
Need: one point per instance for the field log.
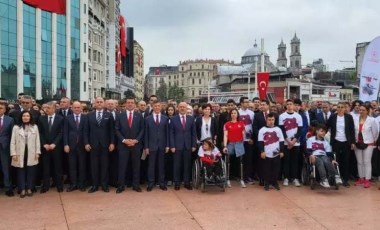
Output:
(141, 106)
(156, 144)
(64, 107)
(324, 116)
(111, 106)
(73, 133)
(149, 108)
(51, 132)
(26, 104)
(246, 116)
(99, 140)
(183, 141)
(6, 127)
(130, 131)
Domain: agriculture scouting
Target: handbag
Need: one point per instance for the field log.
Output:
(361, 145)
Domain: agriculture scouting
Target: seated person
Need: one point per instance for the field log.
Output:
(320, 154)
(210, 157)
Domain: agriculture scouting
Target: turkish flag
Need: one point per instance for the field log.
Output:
(54, 6)
(118, 60)
(123, 39)
(262, 84)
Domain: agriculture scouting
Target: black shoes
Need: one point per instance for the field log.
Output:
(59, 189)
(149, 188)
(346, 184)
(276, 186)
(71, 188)
(93, 189)
(120, 190)
(82, 188)
(163, 187)
(137, 189)
(9, 193)
(188, 187)
(266, 187)
(44, 190)
(105, 189)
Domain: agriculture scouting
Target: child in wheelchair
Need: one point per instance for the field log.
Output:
(320, 154)
(210, 156)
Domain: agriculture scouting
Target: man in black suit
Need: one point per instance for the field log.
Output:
(64, 107)
(99, 140)
(130, 132)
(183, 141)
(6, 127)
(111, 106)
(324, 116)
(73, 132)
(51, 132)
(149, 109)
(26, 104)
(156, 144)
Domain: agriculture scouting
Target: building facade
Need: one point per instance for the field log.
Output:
(158, 75)
(43, 54)
(295, 55)
(138, 70)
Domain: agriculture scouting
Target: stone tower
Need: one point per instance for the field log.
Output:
(282, 61)
(295, 55)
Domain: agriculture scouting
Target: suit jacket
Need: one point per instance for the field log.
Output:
(198, 127)
(123, 131)
(259, 122)
(15, 114)
(348, 127)
(60, 112)
(320, 117)
(6, 132)
(182, 139)
(156, 137)
(55, 135)
(102, 134)
(73, 136)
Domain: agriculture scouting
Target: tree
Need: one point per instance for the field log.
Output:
(176, 93)
(129, 93)
(162, 91)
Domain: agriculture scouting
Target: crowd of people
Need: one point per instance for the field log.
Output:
(126, 143)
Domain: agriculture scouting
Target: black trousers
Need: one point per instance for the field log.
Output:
(77, 166)
(134, 154)
(291, 158)
(248, 160)
(343, 152)
(270, 168)
(5, 165)
(182, 163)
(99, 157)
(156, 160)
(113, 167)
(169, 165)
(52, 159)
(215, 168)
(26, 177)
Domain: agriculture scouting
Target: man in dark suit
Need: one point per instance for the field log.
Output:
(324, 116)
(183, 141)
(64, 107)
(73, 132)
(6, 126)
(99, 140)
(111, 106)
(149, 109)
(26, 104)
(51, 133)
(130, 132)
(156, 144)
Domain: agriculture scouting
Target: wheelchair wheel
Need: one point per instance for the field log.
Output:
(196, 174)
(305, 175)
(224, 171)
(312, 183)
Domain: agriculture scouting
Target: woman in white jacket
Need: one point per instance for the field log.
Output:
(366, 133)
(25, 151)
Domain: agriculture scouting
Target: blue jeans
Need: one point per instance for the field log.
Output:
(236, 148)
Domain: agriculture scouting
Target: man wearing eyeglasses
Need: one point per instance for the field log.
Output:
(26, 104)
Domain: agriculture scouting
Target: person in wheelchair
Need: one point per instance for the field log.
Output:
(320, 154)
(210, 156)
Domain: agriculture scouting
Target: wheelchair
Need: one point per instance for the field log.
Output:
(199, 173)
(310, 175)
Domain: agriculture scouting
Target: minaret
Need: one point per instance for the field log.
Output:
(295, 55)
(282, 61)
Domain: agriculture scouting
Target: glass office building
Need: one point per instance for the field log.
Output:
(43, 54)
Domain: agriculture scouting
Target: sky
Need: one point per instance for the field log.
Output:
(171, 31)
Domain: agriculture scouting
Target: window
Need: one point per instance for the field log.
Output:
(296, 49)
(183, 75)
(200, 92)
(199, 74)
(84, 8)
(183, 68)
(85, 28)
(203, 66)
(190, 67)
(85, 47)
(84, 86)
(193, 81)
(203, 74)
(94, 75)
(192, 93)
(283, 54)
(84, 66)
(200, 81)
(94, 56)
(89, 54)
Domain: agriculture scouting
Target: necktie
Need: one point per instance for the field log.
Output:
(183, 122)
(325, 117)
(130, 120)
(157, 121)
(1, 123)
(50, 123)
(64, 113)
(77, 120)
(99, 118)
(265, 115)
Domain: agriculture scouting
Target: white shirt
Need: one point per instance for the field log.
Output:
(291, 122)
(271, 138)
(75, 117)
(246, 116)
(318, 147)
(205, 130)
(52, 118)
(340, 129)
(155, 117)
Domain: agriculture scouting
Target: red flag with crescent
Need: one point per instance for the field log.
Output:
(54, 6)
(118, 60)
(123, 39)
(262, 84)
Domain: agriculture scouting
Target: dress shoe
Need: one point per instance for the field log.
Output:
(261, 183)
(9, 193)
(29, 193)
(346, 184)
(71, 188)
(266, 187)
(44, 190)
(120, 190)
(137, 189)
(188, 187)
(82, 188)
(93, 189)
(22, 194)
(59, 189)
(105, 189)
(177, 187)
(34, 189)
(149, 188)
(163, 187)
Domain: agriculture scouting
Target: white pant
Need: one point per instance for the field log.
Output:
(364, 157)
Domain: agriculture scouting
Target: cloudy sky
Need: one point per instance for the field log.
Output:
(175, 30)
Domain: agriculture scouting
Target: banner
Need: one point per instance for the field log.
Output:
(262, 84)
(54, 6)
(123, 38)
(118, 60)
(370, 73)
